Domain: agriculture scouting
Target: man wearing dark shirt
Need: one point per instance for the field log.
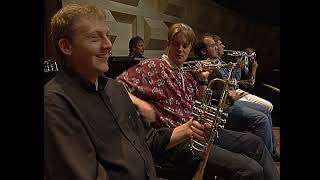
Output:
(91, 128)
(136, 47)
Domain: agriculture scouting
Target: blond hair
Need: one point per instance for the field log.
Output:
(62, 22)
(181, 28)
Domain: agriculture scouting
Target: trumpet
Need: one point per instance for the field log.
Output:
(204, 112)
(244, 60)
(239, 53)
(204, 65)
(244, 57)
(250, 81)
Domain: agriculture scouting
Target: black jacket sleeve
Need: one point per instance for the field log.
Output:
(157, 139)
(68, 150)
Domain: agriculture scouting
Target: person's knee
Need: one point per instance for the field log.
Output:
(254, 143)
(254, 171)
(269, 106)
(249, 169)
(261, 120)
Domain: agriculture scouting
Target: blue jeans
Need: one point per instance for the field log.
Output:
(247, 116)
(234, 155)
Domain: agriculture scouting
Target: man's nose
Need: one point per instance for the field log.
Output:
(106, 43)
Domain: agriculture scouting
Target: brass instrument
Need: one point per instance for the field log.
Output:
(244, 57)
(244, 60)
(238, 53)
(204, 112)
(250, 81)
(50, 70)
(50, 66)
(204, 65)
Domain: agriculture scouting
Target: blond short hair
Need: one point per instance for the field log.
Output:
(62, 22)
(181, 28)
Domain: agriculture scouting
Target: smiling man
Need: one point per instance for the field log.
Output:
(92, 130)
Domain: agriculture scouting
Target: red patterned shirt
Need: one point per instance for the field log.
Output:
(170, 91)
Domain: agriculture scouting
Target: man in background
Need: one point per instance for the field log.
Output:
(136, 47)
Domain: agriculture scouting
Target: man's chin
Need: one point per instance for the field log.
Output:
(181, 59)
(103, 70)
(106, 69)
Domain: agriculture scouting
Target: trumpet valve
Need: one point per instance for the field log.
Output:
(222, 121)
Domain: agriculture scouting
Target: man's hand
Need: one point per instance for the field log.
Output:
(199, 73)
(240, 63)
(144, 108)
(199, 131)
(147, 111)
(254, 65)
(234, 95)
(190, 129)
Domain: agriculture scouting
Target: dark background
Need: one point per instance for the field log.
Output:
(260, 11)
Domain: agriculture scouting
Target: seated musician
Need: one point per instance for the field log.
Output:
(244, 115)
(159, 84)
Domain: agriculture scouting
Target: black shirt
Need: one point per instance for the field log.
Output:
(96, 134)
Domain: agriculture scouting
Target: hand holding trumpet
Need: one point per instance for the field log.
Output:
(199, 72)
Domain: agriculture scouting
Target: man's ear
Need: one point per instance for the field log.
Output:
(65, 46)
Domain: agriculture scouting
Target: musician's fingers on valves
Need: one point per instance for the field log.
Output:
(207, 129)
(200, 132)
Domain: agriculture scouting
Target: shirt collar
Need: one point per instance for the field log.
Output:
(91, 87)
(172, 66)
